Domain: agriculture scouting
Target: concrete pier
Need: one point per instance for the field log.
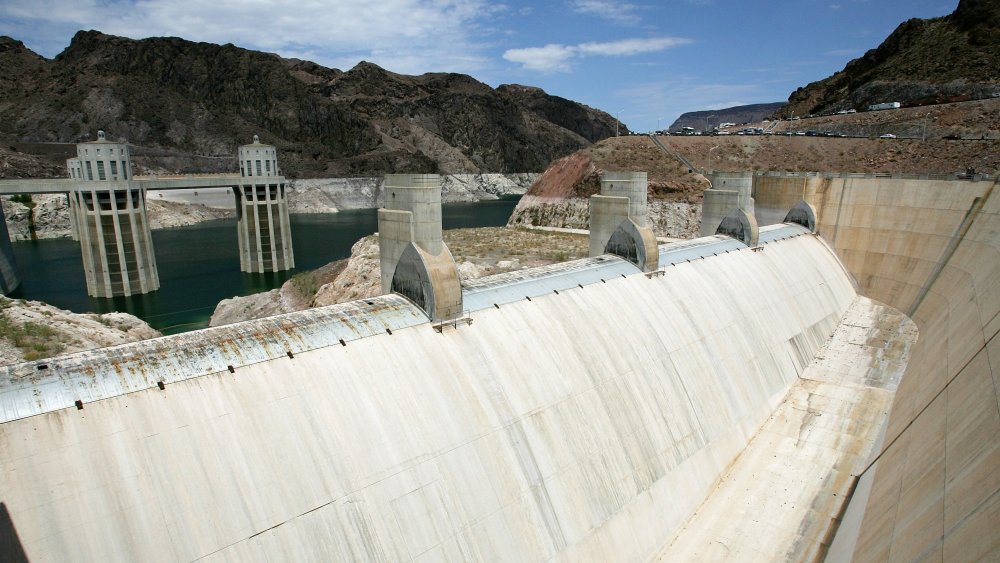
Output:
(414, 260)
(730, 190)
(107, 208)
(618, 220)
(265, 234)
(9, 280)
(113, 230)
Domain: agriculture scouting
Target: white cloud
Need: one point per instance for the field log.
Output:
(627, 47)
(556, 57)
(545, 59)
(618, 12)
(433, 34)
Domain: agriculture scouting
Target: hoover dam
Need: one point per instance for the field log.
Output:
(817, 389)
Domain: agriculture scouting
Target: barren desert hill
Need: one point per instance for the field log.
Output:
(924, 61)
(195, 102)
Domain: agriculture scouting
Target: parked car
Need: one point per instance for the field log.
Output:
(887, 136)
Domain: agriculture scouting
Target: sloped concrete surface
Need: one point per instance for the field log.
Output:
(583, 425)
(779, 499)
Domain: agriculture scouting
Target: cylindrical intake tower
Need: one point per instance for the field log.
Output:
(419, 194)
(112, 226)
(265, 234)
(632, 185)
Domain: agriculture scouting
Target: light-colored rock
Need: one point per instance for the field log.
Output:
(245, 307)
(328, 195)
(16, 214)
(33, 330)
(667, 219)
(470, 270)
(164, 214)
(509, 264)
(479, 187)
(361, 278)
(293, 295)
(50, 217)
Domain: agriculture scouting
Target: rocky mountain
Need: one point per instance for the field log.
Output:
(951, 58)
(705, 120)
(190, 104)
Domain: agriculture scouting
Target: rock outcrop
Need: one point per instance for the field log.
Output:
(360, 278)
(952, 58)
(561, 195)
(186, 105)
(478, 252)
(327, 195)
(30, 330)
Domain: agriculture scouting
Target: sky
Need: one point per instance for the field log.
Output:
(645, 62)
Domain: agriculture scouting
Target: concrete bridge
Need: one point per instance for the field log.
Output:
(108, 215)
(735, 398)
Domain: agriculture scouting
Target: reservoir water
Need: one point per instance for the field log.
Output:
(199, 265)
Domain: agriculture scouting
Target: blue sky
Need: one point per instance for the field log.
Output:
(644, 61)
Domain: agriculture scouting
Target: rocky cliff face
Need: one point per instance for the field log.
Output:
(953, 58)
(560, 196)
(188, 105)
(30, 330)
(326, 195)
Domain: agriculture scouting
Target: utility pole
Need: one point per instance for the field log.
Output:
(617, 121)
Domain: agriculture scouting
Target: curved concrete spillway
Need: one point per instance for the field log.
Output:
(583, 424)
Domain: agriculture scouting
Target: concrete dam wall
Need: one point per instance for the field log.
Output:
(932, 250)
(584, 414)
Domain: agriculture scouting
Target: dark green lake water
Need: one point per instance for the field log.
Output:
(199, 265)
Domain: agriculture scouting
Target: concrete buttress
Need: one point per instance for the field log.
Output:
(414, 260)
(618, 220)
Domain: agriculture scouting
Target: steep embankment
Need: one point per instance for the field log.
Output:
(560, 197)
(30, 330)
(950, 58)
(820, 154)
(188, 104)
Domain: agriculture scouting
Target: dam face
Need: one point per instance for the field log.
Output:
(709, 410)
(584, 423)
(931, 249)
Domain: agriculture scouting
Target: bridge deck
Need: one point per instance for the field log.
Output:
(64, 185)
